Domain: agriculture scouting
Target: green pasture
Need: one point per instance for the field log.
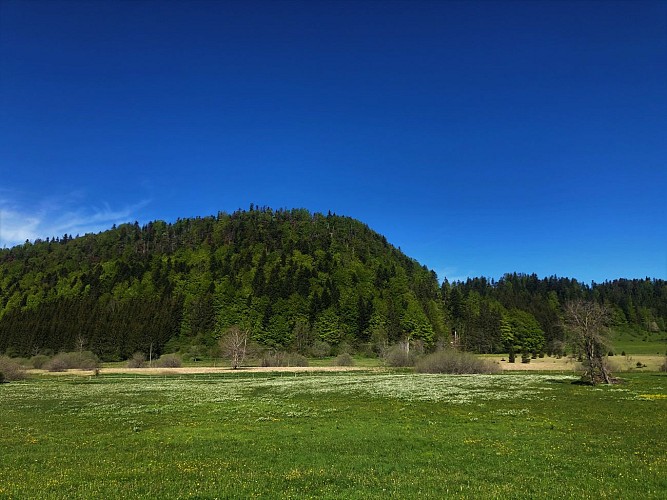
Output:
(333, 435)
(636, 341)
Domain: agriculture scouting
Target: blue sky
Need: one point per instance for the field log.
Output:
(480, 137)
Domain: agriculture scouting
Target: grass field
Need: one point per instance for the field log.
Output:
(634, 341)
(333, 435)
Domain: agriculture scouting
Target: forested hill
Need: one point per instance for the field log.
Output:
(289, 276)
(524, 313)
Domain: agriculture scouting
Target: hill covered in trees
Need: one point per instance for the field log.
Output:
(524, 313)
(291, 278)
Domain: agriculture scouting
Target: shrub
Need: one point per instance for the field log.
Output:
(344, 360)
(456, 362)
(23, 362)
(82, 360)
(398, 356)
(58, 363)
(196, 352)
(39, 360)
(86, 360)
(525, 357)
(344, 348)
(138, 360)
(10, 369)
(169, 361)
(663, 367)
(320, 349)
(283, 359)
(2, 378)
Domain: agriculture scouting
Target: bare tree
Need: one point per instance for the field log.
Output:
(586, 323)
(80, 343)
(234, 345)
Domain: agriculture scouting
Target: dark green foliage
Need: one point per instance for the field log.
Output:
(288, 276)
(456, 362)
(527, 311)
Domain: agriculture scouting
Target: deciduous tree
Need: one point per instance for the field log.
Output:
(586, 322)
(234, 345)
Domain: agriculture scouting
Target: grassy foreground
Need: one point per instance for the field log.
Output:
(333, 435)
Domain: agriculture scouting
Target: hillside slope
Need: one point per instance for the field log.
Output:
(289, 276)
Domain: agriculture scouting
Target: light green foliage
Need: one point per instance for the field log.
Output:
(521, 332)
(328, 327)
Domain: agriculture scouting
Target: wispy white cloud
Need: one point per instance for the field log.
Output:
(56, 216)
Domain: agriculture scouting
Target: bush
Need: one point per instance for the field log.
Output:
(320, 349)
(10, 369)
(84, 360)
(169, 361)
(39, 360)
(23, 362)
(344, 348)
(344, 360)
(138, 360)
(56, 364)
(456, 362)
(2, 378)
(525, 357)
(283, 359)
(398, 356)
(663, 367)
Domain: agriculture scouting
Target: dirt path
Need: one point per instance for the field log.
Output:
(618, 364)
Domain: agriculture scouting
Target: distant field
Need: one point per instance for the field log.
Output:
(377, 434)
(619, 364)
(639, 342)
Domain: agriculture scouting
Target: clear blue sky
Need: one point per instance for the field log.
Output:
(480, 137)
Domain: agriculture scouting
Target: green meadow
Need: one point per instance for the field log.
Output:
(373, 434)
(637, 341)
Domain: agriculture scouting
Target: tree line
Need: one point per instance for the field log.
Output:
(291, 278)
(288, 276)
(524, 313)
